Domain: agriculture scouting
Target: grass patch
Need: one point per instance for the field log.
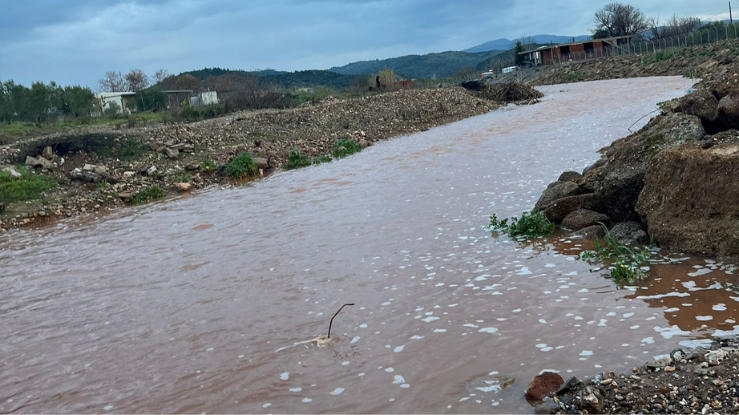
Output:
(574, 77)
(528, 226)
(131, 149)
(148, 193)
(208, 165)
(321, 159)
(240, 166)
(28, 187)
(658, 57)
(627, 262)
(345, 147)
(184, 177)
(295, 160)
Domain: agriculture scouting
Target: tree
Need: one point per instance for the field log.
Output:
(675, 26)
(136, 80)
(77, 101)
(387, 78)
(159, 76)
(112, 82)
(616, 19)
(518, 47)
(466, 72)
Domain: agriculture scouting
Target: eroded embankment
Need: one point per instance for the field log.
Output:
(102, 168)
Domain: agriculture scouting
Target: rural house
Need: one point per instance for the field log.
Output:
(577, 51)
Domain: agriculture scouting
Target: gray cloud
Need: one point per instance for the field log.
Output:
(76, 41)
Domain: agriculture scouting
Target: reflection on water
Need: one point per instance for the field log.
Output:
(205, 304)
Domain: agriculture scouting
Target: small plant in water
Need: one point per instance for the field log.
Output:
(148, 193)
(241, 166)
(345, 147)
(628, 262)
(529, 225)
(296, 160)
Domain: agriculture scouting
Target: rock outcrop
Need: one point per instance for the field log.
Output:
(691, 199)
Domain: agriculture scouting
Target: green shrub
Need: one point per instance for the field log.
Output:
(528, 226)
(241, 166)
(148, 193)
(321, 159)
(628, 262)
(296, 160)
(345, 147)
(27, 187)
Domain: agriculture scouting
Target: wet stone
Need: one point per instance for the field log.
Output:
(543, 385)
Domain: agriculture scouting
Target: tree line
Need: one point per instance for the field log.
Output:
(44, 103)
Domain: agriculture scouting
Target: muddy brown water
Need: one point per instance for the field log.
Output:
(200, 304)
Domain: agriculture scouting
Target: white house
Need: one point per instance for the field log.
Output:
(124, 101)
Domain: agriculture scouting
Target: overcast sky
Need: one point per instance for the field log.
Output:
(77, 41)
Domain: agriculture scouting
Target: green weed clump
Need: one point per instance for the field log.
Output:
(345, 147)
(628, 262)
(28, 187)
(528, 226)
(321, 159)
(240, 166)
(208, 165)
(295, 160)
(659, 57)
(148, 193)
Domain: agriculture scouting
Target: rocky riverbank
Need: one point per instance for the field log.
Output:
(674, 179)
(695, 381)
(102, 168)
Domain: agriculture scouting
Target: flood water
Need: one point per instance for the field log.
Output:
(201, 304)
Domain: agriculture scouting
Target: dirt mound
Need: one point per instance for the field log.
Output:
(691, 199)
(510, 92)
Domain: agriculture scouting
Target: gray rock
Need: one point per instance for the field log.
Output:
(592, 401)
(569, 176)
(701, 103)
(88, 167)
(48, 153)
(547, 407)
(192, 166)
(728, 110)
(558, 210)
(572, 383)
(592, 232)
(556, 191)
(171, 153)
(630, 233)
(100, 170)
(261, 162)
(151, 171)
(583, 218)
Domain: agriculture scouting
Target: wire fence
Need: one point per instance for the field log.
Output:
(711, 33)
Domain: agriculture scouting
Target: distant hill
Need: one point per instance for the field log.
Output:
(282, 79)
(505, 44)
(441, 65)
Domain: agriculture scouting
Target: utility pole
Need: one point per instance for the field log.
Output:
(731, 20)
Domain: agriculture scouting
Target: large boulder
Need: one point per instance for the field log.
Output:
(618, 182)
(582, 218)
(630, 233)
(701, 103)
(690, 200)
(728, 110)
(555, 191)
(559, 209)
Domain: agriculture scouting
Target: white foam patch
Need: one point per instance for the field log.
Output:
(726, 333)
(672, 310)
(285, 376)
(719, 307)
(704, 318)
(296, 389)
(355, 339)
(399, 349)
(439, 330)
(430, 319)
(398, 379)
(416, 337)
(337, 391)
(307, 400)
(586, 353)
(701, 271)
(490, 330)
(669, 332)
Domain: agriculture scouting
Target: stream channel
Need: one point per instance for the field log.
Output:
(204, 303)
